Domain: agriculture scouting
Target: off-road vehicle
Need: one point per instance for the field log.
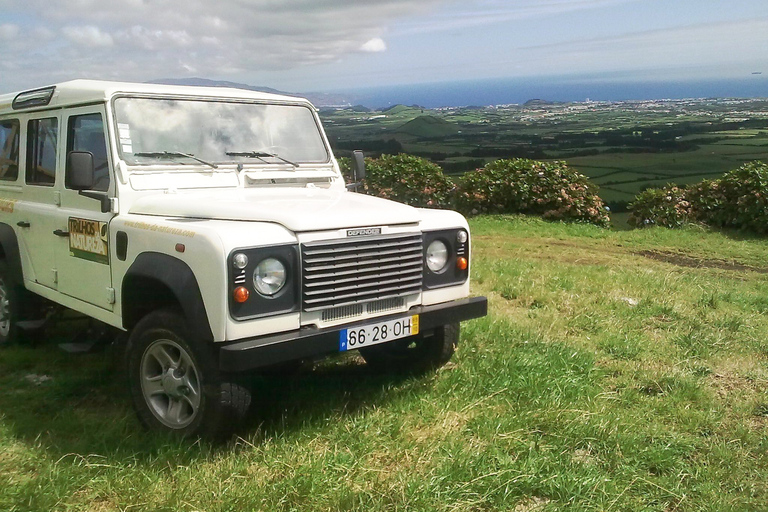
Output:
(214, 227)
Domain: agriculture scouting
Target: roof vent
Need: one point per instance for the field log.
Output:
(35, 98)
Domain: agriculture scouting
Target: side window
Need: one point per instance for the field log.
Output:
(86, 133)
(42, 135)
(9, 149)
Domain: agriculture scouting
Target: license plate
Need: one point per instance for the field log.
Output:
(382, 332)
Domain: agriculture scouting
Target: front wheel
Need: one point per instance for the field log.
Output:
(9, 307)
(175, 382)
(419, 353)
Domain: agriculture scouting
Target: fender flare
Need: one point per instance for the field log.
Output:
(10, 245)
(180, 281)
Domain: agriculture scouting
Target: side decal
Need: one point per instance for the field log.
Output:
(88, 239)
(7, 205)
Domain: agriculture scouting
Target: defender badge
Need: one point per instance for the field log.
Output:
(364, 232)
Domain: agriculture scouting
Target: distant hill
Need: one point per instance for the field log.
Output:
(319, 99)
(428, 126)
(540, 103)
(398, 109)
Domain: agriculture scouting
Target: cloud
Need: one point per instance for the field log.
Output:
(486, 12)
(8, 31)
(87, 36)
(374, 45)
(679, 49)
(228, 39)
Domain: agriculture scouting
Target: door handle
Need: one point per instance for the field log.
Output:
(59, 232)
(23, 224)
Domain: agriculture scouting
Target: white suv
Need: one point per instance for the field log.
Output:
(215, 227)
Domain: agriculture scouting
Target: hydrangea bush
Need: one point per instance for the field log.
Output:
(737, 200)
(405, 178)
(669, 207)
(550, 189)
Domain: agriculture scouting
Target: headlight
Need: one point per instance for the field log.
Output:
(240, 260)
(269, 276)
(437, 256)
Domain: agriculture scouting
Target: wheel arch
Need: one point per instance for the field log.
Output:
(9, 245)
(155, 280)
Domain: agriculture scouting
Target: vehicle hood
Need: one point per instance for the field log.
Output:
(300, 209)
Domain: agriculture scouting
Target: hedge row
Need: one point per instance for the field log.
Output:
(550, 189)
(554, 191)
(738, 200)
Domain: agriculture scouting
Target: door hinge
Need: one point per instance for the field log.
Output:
(111, 295)
(55, 276)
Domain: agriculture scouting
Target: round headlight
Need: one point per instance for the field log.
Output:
(269, 276)
(437, 256)
(240, 260)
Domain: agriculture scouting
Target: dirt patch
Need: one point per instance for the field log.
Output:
(449, 423)
(531, 504)
(546, 250)
(681, 260)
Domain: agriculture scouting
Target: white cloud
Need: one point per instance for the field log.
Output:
(9, 31)
(228, 39)
(487, 12)
(374, 45)
(678, 49)
(87, 36)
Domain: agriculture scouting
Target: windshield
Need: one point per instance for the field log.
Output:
(153, 130)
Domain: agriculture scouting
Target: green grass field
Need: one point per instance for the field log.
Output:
(616, 371)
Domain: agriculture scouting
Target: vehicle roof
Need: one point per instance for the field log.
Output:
(80, 92)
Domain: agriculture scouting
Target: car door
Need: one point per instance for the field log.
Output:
(82, 252)
(38, 210)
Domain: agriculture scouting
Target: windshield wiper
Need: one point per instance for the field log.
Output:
(165, 154)
(261, 155)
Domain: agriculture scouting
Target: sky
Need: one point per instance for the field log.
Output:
(332, 45)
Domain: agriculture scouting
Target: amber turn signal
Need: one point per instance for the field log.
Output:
(241, 294)
(461, 263)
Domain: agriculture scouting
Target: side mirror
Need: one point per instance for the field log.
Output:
(80, 170)
(358, 165)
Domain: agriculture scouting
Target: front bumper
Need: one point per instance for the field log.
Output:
(310, 343)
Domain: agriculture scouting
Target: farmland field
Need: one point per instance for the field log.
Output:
(615, 371)
(624, 147)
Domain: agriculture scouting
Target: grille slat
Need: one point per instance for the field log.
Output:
(345, 272)
(348, 302)
(354, 279)
(360, 248)
(361, 296)
(359, 256)
(375, 285)
(361, 266)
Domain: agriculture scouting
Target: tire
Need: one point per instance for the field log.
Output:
(175, 381)
(10, 307)
(419, 353)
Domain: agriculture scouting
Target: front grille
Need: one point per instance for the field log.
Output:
(353, 271)
(329, 315)
(385, 305)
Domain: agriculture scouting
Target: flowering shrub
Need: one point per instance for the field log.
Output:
(550, 189)
(737, 200)
(669, 207)
(405, 178)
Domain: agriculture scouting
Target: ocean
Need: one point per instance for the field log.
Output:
(505, 91)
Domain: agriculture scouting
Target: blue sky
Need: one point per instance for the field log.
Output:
(311, 45)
